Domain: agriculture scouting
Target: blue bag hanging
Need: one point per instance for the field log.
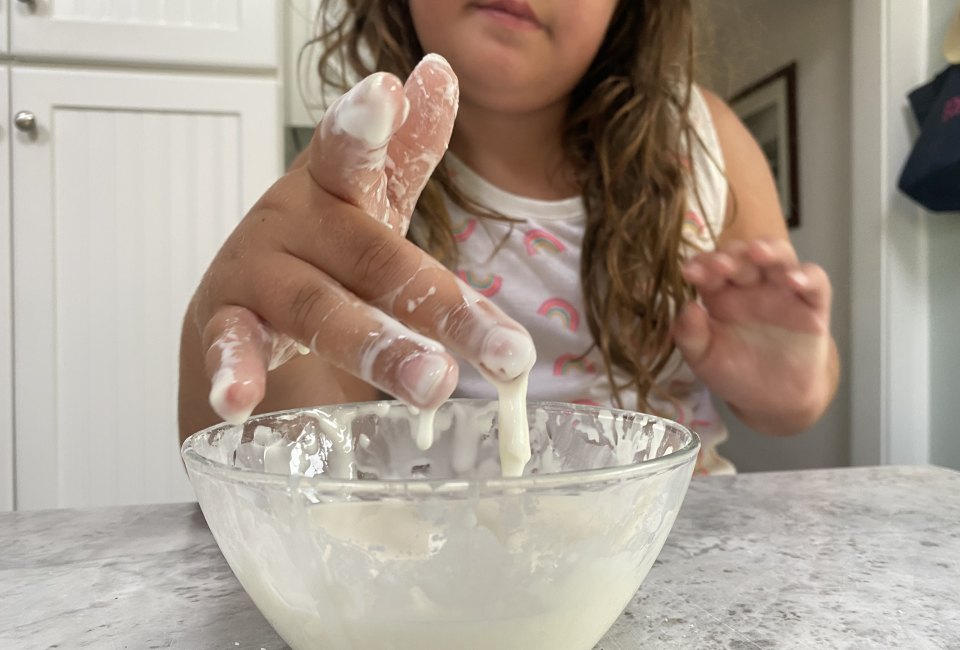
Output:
(931, 175)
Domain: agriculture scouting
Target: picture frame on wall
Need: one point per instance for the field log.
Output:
(768, 108)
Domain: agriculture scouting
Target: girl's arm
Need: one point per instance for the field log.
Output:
(761, 340)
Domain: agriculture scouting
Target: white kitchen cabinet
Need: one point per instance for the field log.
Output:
(6, 317)
(121, 196)
(219, 33)
(4, 5)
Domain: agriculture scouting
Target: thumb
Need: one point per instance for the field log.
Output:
(434, 95)
(691, 333)
(348, 151)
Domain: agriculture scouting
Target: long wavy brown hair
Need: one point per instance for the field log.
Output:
(626, 136)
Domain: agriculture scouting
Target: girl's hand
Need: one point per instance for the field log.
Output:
(761, 339)
(308, 269)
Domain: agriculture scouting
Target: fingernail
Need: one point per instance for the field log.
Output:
(367, 112)
(725, 260)
(424, 376)
(507, 353)
(800, 278)
(220, 401)
(451, 87)
(433, 57)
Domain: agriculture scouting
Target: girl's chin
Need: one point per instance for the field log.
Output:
(506, 100)
(513, 89)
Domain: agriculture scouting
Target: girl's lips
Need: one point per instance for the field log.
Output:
(511, 13)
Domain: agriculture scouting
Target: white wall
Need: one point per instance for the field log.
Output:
(944, 248)
(742, 41)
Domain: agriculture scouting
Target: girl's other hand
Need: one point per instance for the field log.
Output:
(761, 338)
(308, 269)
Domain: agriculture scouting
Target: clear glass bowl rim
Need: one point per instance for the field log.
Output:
(474, 487)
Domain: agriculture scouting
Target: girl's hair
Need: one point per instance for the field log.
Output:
(627, 136)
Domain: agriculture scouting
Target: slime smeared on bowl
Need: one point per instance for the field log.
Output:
(347, 535)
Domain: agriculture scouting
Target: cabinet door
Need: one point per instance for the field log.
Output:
(235, 33)
(6, 319)
(4, 7)
(121, 196)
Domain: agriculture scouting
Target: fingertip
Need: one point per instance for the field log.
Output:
(766, 252)
(707, 273)
(799, 279)
(418, 145)
(434, 58)
(817, 291)
(507, 353)
(691, 332)
(438, 63)
(724, 263)
(734, 247)
(234, 401)
(370, 112)
(761, 245)
(236, 363)
(428, 378)
(693, 272)
(434, 83)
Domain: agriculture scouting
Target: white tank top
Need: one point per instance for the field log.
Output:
(531, 269)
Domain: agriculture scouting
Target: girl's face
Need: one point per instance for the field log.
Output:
(514, 55)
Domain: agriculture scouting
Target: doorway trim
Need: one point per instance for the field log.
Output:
(890, 314)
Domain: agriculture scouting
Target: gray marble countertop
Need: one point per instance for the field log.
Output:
(845, 558)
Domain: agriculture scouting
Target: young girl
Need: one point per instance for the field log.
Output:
(593, 198)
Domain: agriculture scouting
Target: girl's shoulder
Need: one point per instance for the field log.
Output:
(716, 121)
(707, 163)
(747, 175)
(709, 114)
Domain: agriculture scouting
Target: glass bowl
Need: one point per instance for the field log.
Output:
(347, 536)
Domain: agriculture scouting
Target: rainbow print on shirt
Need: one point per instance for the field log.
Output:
(463, 229)
(561, 310)
(540, 241)
(693, 225)
(487, 285)
(568, 363)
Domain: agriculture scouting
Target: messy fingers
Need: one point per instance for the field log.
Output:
(236, 361)
(433, 93)
(354, 336)
(348, 152)
(380, 267)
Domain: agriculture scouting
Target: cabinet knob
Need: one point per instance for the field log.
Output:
(25, 121)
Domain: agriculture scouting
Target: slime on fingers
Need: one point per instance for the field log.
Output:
(368, 116)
